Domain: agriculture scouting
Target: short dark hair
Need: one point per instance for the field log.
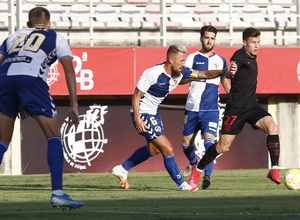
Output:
(208, 28)
(38, 15)
(250, 32)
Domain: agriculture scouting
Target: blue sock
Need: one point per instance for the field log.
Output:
(140, 155)
(208, 169)
(189, 152)
(173, 169)
(55, 160)
(3, 149)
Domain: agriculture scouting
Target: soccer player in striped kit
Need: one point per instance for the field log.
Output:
(202, 112)
(152, 88)
(25, 57)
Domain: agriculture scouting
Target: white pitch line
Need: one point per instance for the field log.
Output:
(164, 213)
(196, 213)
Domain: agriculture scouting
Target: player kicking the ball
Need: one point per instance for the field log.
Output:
(25, 57)
(152, 88)
(242, 107)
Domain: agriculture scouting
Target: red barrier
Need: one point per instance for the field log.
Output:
(115, 71)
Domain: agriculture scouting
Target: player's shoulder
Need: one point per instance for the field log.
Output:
(239, 54)
(155, 70)
(192, 55)
(21, 31)
(218, 56)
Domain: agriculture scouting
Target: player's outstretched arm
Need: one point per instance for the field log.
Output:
(73, 114)
(211, 74)
(207, 74)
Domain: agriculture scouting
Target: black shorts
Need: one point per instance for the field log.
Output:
(235, 118)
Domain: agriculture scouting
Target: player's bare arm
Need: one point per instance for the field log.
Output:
(230, 70)
(207, 74)
(139, 123)
(226, 84)
(73, 114)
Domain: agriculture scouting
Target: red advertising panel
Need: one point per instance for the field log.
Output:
(99, 71)
(115, 71)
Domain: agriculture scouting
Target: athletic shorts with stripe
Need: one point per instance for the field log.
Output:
(235, 118)
(206, 121)
(154, 126)
(28, 92)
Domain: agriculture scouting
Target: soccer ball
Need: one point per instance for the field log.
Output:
(292, 179)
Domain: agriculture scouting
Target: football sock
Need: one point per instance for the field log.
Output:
(140, 155)
(189, 152)
(55, 160)
(58, 192)
(3, 149)
(209, 156)
(274, 148)
(207, 143)
(173, 169)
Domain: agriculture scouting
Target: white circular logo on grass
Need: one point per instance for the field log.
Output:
(84, 144)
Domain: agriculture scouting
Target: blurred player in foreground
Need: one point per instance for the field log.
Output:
(152, 88)
(25, 57)
(202, 112)
(242, 107)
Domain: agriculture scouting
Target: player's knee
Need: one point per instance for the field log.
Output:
(273, 129)
(167, 150)
(186, 141)
(154, 151)
(222, 148)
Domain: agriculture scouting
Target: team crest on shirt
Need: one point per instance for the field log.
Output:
(84, 144)
(216, 66)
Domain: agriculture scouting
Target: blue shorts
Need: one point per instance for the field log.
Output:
(29, 93)
(155, 126)
(206, 121)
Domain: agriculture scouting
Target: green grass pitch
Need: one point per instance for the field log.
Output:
(234, 194)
